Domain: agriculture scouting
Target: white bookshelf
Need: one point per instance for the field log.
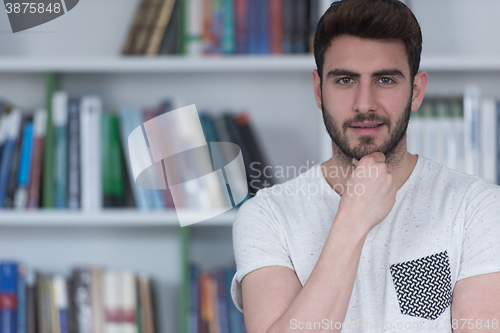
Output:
(218, 64)
(116, 218)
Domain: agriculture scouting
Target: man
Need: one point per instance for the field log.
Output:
(398, 243)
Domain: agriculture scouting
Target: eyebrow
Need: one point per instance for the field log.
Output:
(345, 72)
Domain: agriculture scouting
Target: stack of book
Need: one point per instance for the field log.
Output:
(210, 306)
(197, 27)
(92, 299)
(461, 133)
(85, 165)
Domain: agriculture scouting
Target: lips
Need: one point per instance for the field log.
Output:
(367, 124)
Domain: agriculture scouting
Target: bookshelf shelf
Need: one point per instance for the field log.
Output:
(106, 218)
(217, 64)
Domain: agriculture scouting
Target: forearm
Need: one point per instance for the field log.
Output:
(328, 289)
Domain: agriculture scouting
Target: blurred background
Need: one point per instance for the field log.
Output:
(72, 89)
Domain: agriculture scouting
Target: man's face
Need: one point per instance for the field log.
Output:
(366, 83)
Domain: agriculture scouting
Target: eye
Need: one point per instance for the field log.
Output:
(344, 80)
(386, 80)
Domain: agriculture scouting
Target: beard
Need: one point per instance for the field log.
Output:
(392, 147)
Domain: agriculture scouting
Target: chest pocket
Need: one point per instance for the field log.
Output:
(423, 286)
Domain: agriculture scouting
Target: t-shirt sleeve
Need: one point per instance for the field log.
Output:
(481, 242)
(257, 240)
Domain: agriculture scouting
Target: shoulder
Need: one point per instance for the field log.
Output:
(472, 190)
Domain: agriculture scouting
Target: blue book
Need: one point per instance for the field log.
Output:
(8, 297)
(263, 27)
(21, 299)
(221, 300)
(193, 316)
(228, 35)
(26, 153)
(127, 125)
(14, 122)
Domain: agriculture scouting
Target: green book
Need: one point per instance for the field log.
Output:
(113, 176)
(48, 160)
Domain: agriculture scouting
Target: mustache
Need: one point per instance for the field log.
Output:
(362, 117)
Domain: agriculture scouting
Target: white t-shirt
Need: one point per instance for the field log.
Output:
(444, 226)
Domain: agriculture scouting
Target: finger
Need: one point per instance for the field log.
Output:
(354, 162)
(379, 157)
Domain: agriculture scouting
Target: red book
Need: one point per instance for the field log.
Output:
(276, 25)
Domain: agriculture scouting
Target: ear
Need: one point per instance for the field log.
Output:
(317, 87)
(419, 85)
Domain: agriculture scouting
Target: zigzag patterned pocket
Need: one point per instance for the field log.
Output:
(423, 286)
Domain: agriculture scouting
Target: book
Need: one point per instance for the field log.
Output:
(8, 296)
(21, 195)
(61, 302)
(81, 299)
(73, 154)
(276, 26)
(146, 303)
(13, 129)
(194, 27)
(228, 34)
(60, 122)
(21, 298)
(113, 176)
(471, 133)
(14, 165)
(44, 315)
(488, 144)
(111, 301)
(172, 41)
(90, 153)
(160, 27)
(96, 299)
(35, 178)
(137, 23)
(129, 120)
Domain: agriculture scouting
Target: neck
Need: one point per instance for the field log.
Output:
(338, 169)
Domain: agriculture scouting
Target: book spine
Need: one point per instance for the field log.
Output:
(8, 297)
(59, 122)
(48, 160)
(34, 186)
(194, 27)
(216, 26)
(61, 302)
(471, 143)
(111, 302)
(128, 47)
(161, 25)
(73, 154)
(90, 144)
(128, 302)
(276, 25)
(300, 31)
(128, 121)
(228, 34)
(96, 300)
(21, 299)
(20, 198)
(221, 301)
(14, 124)
(287, 26)
(263, 27)
(488, 135)
(81, 298)
(252, 39)
(44, 318)
(241, 8)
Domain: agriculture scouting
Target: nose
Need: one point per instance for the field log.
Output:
(364, 100)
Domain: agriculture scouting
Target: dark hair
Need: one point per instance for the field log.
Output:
(370, 19)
